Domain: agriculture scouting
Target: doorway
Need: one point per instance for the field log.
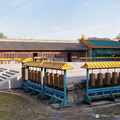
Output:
(35, 55)
(69, 57)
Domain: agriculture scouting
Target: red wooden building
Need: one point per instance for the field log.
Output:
(51, 49)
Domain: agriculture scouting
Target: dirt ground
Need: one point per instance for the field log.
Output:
(17, 105)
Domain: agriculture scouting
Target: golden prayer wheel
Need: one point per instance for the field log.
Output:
(39, 77)
(47, 75)
(107, 78)
(100, 79)
(33, 76)
(51, 79)
(56, 80)
(23, 74)
(114, 78)
(29, 74)
(61, 81)
(119, 79)
(92, 80)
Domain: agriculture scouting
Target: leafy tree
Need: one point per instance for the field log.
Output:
(118, 36)
(2, 36)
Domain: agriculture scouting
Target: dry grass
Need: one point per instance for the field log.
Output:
(25, 107)
(14, 107)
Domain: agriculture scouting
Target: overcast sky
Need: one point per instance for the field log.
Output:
(60, 19)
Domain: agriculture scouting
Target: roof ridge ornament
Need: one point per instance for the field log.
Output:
(83, 36)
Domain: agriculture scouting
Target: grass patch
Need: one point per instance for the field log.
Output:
(7, 114)
(16, 107)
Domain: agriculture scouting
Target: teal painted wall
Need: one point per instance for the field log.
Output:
(105, 52)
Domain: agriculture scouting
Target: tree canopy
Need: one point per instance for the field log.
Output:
(118, 36)
(2, 36)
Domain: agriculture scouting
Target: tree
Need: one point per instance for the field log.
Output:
(118, 36)
(2, 36)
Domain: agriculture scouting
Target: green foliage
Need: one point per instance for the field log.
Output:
(118, 36)
(2, 36)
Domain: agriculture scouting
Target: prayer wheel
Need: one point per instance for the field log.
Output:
(29, 74)
(114, 78)
(39, 77)
(92, 80)
(33, 76)
(61, 83)
(119, 79)
(23, 74)
(36, 75)
(31, 71)
(47, 76)
(51, 79)
(107, 78)
(100, 79)
(56, 80)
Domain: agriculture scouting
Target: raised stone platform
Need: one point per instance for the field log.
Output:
(10, 76)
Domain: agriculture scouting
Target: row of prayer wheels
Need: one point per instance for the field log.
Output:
(52, 80)
(107, 79)
(34, 76)
(55, 80)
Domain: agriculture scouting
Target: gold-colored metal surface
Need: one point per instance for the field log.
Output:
(107, 78)
(56, 80)
(52, 79)
(61, 83)
(47, 76)
(100, 79)
(33, 64)
(75, 57)
(23, 60)
(92, 79)
(5, 59)
(114, 78)
(101, 65)
(23, 74)
(58, 66)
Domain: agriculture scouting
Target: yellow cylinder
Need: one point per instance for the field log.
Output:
(114, 78)
(52, 79)
(92, 79)
(100, 79)
(61, 81)
(56, 80)
(47, 75)
(107, 78)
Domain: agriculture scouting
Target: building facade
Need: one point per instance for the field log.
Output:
(58, 50)
(101, 47)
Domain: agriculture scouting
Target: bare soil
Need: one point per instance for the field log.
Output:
(17, 105)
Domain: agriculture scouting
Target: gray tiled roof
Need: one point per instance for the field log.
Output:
(40, 46)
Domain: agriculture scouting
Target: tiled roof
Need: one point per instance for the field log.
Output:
(91, 43)
(104, 43)
(40, 46)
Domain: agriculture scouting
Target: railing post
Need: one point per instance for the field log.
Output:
(65, 101)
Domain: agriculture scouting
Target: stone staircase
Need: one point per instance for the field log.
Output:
(10, 76)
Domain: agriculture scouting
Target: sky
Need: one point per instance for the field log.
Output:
(59, 19)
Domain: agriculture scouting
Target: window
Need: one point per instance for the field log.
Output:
(8, 55)
(22, 55)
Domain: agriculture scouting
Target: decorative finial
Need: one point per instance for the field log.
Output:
(83, 36)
